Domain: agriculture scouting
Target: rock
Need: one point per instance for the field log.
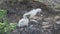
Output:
(57, 18)
(55, 4)
(58, 22)
(45, 23)
(48, 19)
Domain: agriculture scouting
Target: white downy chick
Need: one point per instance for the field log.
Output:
(33, 12)
(23, 22)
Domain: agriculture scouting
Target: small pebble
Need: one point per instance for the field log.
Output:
(58, 22)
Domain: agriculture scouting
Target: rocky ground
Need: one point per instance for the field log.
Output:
(49, 20)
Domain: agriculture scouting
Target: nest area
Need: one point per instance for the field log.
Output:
(16, 10)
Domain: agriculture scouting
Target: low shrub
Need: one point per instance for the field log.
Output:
(6, 27)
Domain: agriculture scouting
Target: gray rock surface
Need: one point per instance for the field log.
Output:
(55, 4)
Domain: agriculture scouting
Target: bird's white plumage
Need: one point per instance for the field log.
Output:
(23, 22)
(33, 12)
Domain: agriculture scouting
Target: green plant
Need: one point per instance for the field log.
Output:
(5, 27)
(12, 26)
(2, 13)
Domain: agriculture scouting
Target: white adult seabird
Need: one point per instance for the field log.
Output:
(33, 12)
(23, 22)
